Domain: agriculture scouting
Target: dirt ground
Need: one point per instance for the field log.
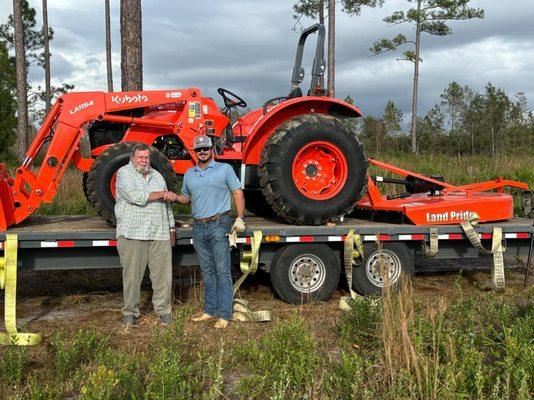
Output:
(66, 301)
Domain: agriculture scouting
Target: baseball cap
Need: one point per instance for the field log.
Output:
(202, 141)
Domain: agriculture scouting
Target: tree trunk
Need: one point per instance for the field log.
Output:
(492, 141)
(321, 21)
(331, 48)
(377, 134)
(416, 81)
(131, 46)
(48, 94)
(108, 48)
(22, 89)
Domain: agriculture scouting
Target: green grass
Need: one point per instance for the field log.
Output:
(469, 345)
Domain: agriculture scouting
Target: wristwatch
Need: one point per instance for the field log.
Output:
(172, 229)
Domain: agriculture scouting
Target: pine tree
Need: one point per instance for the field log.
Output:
(429, 16)
(8, 105)
(314, 8)
(131, 46)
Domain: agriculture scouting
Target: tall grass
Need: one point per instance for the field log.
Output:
(466, 345)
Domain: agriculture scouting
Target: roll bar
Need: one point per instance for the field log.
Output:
(319, 63)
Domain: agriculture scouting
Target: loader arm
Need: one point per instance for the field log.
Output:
(57, 144)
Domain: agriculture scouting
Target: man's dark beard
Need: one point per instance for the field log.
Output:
(207, 161)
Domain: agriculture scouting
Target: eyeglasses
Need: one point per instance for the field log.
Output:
(202, 149)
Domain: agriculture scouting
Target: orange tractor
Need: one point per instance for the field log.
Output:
(295, 156)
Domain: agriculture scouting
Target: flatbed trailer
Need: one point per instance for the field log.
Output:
(300, 259)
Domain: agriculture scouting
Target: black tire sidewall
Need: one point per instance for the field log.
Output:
(360, 281)
(255, 203)
(107, 164)
(279, 273)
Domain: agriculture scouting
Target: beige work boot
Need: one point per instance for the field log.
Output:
(221, 324)
(202, 317)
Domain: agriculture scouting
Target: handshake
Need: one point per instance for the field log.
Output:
(170, 197)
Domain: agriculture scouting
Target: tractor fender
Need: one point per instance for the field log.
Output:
(267, 123)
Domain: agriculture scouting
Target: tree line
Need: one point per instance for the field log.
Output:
(463, 122)
(426, 16)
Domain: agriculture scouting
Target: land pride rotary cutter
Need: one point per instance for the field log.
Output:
(295, 156)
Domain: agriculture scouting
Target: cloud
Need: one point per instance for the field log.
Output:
(249, 47)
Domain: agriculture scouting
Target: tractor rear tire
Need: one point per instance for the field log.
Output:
(255, 203)
(313, 170)
(98, 182)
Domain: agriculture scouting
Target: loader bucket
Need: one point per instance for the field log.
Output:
(7, 207)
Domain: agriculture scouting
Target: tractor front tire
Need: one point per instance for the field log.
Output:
(313, 170)
(100, 180)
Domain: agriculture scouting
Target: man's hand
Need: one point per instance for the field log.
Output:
(170, 196)
(172, 233)
(239, 225)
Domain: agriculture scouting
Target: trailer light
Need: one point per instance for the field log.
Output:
(272, 238)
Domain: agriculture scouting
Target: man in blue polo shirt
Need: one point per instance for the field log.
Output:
(207, 186)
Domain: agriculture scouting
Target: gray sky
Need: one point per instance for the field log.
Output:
(247, 46)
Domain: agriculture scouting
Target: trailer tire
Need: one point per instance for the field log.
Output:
(304, 272)
(98, 183)
(313, 170)
(366, 277)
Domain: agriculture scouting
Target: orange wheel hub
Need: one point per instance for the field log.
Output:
(320, 170)
(112, 185)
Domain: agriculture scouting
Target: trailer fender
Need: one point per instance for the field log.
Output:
(267, 123)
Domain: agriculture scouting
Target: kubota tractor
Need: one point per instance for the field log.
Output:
(295, 156)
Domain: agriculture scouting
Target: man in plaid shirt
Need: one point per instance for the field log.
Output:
(145, 234)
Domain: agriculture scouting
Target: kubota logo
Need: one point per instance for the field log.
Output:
(129, 99)
(81, 107)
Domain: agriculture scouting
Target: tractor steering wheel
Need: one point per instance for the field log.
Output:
(231, 99)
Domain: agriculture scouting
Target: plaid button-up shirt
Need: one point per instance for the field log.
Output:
(138, 218)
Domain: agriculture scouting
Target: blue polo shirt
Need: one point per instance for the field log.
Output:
(210, 188)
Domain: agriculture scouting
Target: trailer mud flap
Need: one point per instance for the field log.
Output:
(249, 266)
(350, 255)
(497, 249)
(8, 281)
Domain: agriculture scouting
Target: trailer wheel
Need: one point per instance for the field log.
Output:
(304, 272)
(313, 169)
(397, 258)
(99, 185)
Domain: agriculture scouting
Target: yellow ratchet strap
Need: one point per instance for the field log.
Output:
(431, 250)
(249, 266)
(497, 249)
(351, 254)
(8, 280)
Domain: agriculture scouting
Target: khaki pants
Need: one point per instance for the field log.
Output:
(134, 256)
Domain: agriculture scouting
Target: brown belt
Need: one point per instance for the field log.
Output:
(212, 218)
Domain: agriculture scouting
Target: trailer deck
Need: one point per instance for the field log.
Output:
(89, 242)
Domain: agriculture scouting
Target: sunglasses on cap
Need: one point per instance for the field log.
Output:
(202, 149)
